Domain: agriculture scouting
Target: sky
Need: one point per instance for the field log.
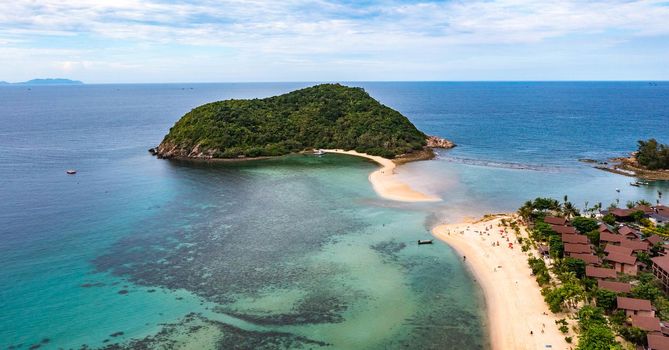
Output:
(156, 41)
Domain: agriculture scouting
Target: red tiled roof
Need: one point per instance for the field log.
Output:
(578, 239)
(563, 229)
(590, 259)
(621, 212)
(599, 272)
(626, 230)
(621, 258)
(662, 262)
(658, 342)
(654, 239)
(634, 244)
(610, 237)
(555, 220)
(618, 287)
(618, 249)
(633, 304)
(644, 208)
(576, 248)
(651, 324)
(603, 228)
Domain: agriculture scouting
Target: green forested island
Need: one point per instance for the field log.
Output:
(322, 116)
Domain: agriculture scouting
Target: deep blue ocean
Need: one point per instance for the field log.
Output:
(288, 252)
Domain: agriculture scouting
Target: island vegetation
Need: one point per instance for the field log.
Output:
(652, 155)
(330, 116)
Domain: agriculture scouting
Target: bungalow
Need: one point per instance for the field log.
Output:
(564, 229)
(658, 342)
(621, 214)
(607, 237)
(571, 248)
(636, 245)
(660, 214)
(553, 220)
(618, 287)
(648, 324)
(599, 272)
(623, 263)
(661, 270)
(644, 208)
(654, 239)
(618, 249)
(604, 228)
(633, 306)
(589, 259)
(629, 232)
(575, 239)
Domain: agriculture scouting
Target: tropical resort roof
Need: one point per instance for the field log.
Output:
(621, 258)
(633, 304)
(618, 250)
(553, 220)
(563, 229)
(599, 272)
(588, 258)
(576, 248)
(577, 239)
(650, 324)
(618, 287)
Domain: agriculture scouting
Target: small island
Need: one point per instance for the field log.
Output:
(650, 162)
(326, 116)
(47, 81)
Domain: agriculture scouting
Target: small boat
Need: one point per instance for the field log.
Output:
(424, 241)
(319, 152)
(635, 184)
(71, 172)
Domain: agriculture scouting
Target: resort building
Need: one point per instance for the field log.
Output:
(648, 324)
(623, 263)
(553, 220)
(575, 239)
(636, 245)
(633, 306)
(629, 232)
(572, 248)
(604, 228)
(617, 287)
(599, 272)
(609, 238)
(610, 249)
(589, 259)
(657, 342)
(564, 229)
(661, 270)
(653, 240)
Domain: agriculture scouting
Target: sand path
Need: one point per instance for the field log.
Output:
(385, 183)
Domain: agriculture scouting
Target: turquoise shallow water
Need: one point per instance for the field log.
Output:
(289, 252)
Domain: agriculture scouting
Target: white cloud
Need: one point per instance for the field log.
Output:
(301, 32)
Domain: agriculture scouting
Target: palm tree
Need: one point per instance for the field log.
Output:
(569, 210)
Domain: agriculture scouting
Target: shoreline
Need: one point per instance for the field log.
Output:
(384, 183)
(513, 301)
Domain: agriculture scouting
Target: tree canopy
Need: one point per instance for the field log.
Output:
(653, 155)
(322, 116)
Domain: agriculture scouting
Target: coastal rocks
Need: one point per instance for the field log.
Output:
(438, 142)
(167, 150)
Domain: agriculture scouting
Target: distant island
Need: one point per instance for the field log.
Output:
(326, 116)
(650, 162)
(48, 81)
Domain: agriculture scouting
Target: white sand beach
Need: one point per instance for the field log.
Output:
(515, 306)
(385, 183)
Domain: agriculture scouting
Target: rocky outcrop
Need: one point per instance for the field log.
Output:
(438, 142)
(168, 150)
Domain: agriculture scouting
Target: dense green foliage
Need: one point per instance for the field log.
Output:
(595, 331)
(322, 116)
(653, 155)
(584, 225)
